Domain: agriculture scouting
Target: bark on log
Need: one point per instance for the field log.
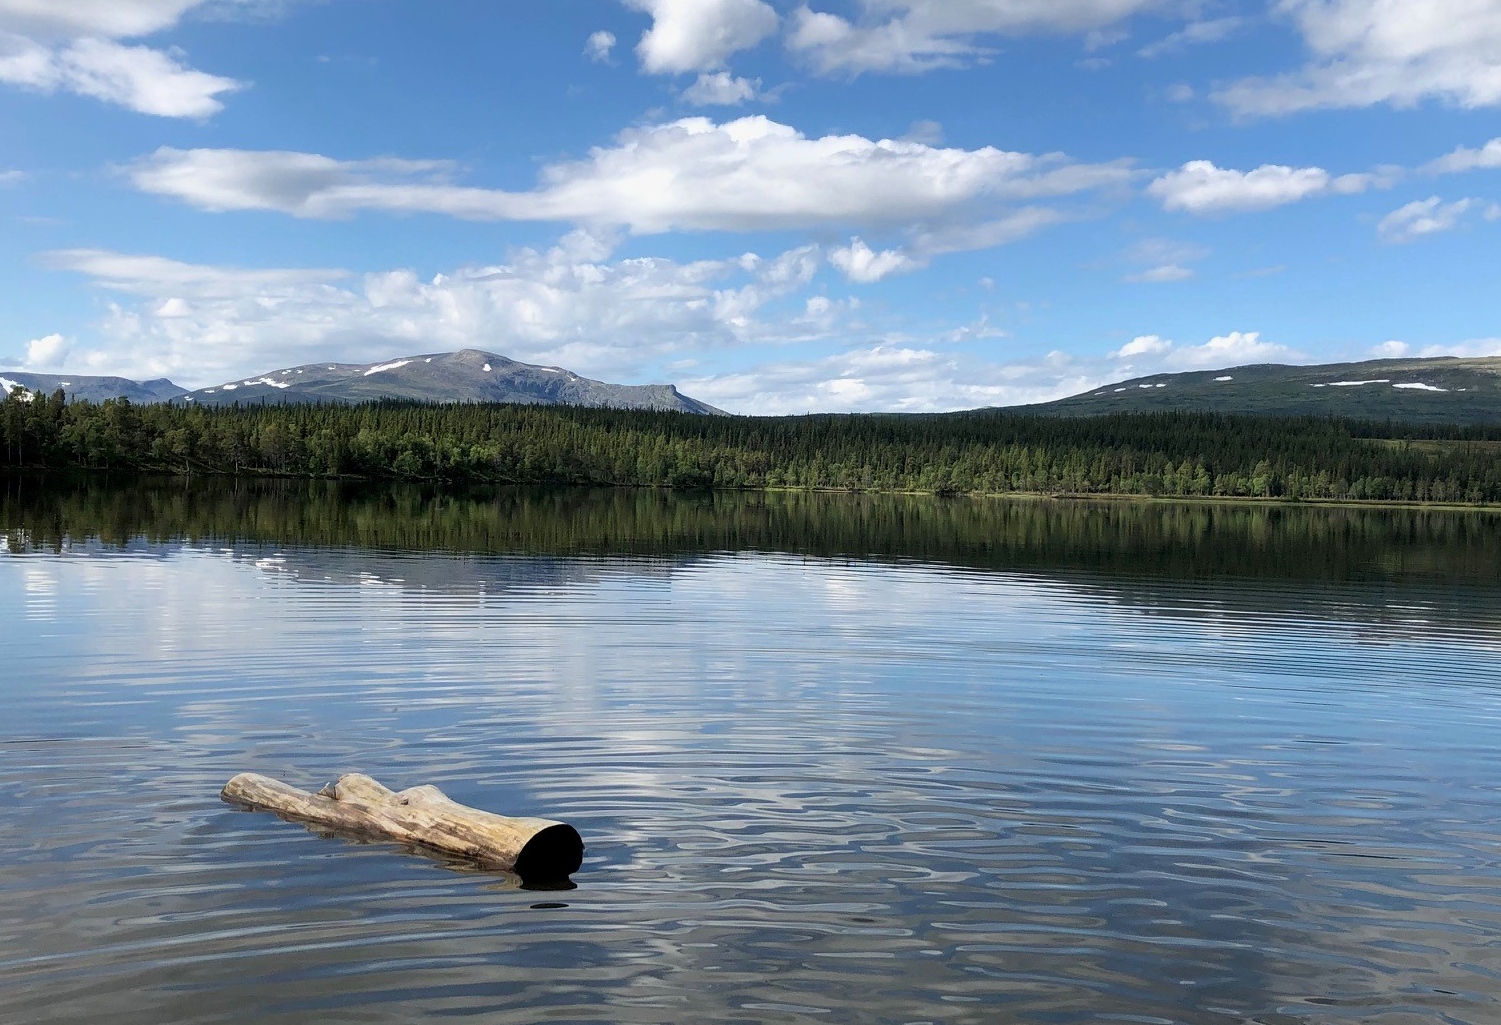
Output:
(535, 849)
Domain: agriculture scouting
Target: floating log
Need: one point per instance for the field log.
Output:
(535, 849)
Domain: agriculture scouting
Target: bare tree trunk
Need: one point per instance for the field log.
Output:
(538, 850)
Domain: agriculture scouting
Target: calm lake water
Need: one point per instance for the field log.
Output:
(836, 759)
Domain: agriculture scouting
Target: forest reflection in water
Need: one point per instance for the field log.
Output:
(1173, 539)
(837, 758)
(1251, 556)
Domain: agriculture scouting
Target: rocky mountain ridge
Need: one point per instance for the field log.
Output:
(469, 375)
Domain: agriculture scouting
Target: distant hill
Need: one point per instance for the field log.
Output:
(1447, 390)
(93, 389)
(469, 375)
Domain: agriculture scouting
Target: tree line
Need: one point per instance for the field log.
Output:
(982, 451)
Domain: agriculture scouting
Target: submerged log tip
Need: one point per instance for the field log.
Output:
(535, 849)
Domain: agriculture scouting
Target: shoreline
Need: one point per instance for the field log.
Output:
(7, 474)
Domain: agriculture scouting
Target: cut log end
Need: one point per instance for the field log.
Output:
(553, 854)
(538, 850)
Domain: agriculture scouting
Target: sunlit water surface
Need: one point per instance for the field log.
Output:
(813, 788)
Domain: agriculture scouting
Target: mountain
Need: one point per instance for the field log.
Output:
(465, 376)
(1446, 390)
(93, 389)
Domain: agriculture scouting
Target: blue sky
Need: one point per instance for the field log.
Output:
(837, 205)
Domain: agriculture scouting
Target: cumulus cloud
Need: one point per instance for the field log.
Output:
(893, 376)
(1397, 52)
(912, 36)
(863, 265)
(1486, 158)
(47, 352)
(1151, 353)
(1428, 217)
(569, 305)
(1479, 347)
(751, 174)
(914, 376)
(1143, 345)
(49, 46)
(700, 35)
(1199, 187)
(1236, 348)
(576, 306)
(1474, 348)
(721, 89)
(598, 46)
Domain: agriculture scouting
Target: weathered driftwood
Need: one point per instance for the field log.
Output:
(535, 849)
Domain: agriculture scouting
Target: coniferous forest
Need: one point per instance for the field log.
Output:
(984, 451)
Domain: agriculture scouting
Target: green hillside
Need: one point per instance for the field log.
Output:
(1446, 390)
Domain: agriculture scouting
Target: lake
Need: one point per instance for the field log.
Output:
(836, 758)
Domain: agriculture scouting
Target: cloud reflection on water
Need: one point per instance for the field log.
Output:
(882, 790)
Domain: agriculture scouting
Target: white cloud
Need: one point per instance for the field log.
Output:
(9, 178)
(1195, 34)
(1424, 217)
(863, 265)
(929, 133)
(751, 174)
(303, 184)
(959, 236)
(1199, 187)
(1486, 158)
(1152, 353)
(54, 46)
(911, 36)
(721, 89)
(911, 376)
(135, 77)
(1143, 345)
(1480, 347)
(1235, 349)
(111, 19)
(1164, 260)
(598, 46)
(1398, 52)
(569, 306)
(47, 352)
(892, 376)
(1161, 274)
(149, 276)
(700, 35)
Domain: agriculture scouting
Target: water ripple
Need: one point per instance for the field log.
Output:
(813, 789)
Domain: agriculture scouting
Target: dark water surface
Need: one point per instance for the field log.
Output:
(836, 759)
